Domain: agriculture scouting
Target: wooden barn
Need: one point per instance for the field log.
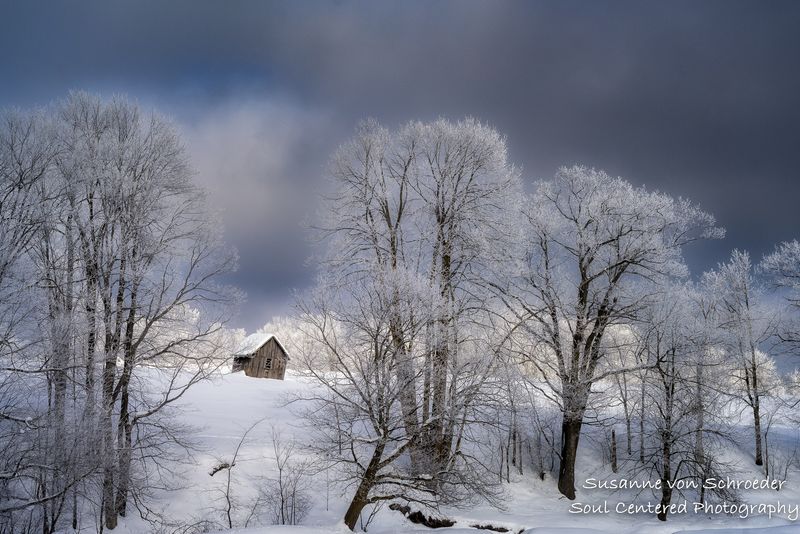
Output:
(262, 356)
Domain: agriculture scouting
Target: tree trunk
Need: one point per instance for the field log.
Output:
(539, 455)
(514, 442)
(757, 428)
(666, 489)
(125, 426)
(408, 401)
(124, 466)
(628, 436)
(668, 378)
(502, 462)
(666, 497)
(437, 453)
(641, 423)
(361, 497)
(570, 434)
(508, 459)
(90, 254)
(107, 430)
(440, 357)
(699, 444)
(109, 510)
(75, 507)
(91, 344)
(613, 451)
(109, 453)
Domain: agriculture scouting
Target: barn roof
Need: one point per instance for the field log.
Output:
(253, 342)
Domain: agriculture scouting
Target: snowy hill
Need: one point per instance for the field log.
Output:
(221, 411)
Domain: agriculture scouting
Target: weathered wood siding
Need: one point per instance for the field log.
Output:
(268, 362)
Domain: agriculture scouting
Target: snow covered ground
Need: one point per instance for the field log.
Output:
(221, 411)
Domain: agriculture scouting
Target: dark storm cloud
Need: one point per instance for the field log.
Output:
(697, 99)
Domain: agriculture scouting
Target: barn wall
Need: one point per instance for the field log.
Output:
(270, 350)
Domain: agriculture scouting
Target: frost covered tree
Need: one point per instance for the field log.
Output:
(671, 396)
(356, 412)
(682, 417)
(33, 474)
(682, 427)
(413, 221)
(431, 201)
(711, 368)
(593, 246)
(148, 255)
(782, 267)
(749, 323)
(468, 195)
(122, 269)
(370, 218)
(626, 350)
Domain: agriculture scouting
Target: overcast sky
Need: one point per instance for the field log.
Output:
(699, 99)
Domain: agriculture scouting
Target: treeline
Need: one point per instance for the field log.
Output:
(468, 330)
(111, 308)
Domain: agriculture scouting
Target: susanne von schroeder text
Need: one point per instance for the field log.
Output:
(709, 484)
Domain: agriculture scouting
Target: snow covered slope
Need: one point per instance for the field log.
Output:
(221, 411)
